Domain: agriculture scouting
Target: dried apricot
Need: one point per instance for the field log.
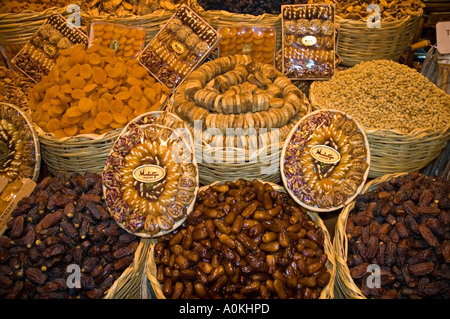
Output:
(90, 87)
(116, 106)
(53, 124)
(123, 95)
(119, 118)
(94, 59)
(77, 82)
(85, 71)
(77, 94)
(98, 75)
(71, 130)
(89, 125)
(139, 72)
(85, 105)
(103, 105)
(73, 111)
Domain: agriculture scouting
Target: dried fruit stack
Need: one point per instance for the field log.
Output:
(403, 227)
(235, 92)
(63, 223)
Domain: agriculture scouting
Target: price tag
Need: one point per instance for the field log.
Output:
(443, 37)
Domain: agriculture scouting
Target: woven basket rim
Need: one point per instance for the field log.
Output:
(340, 241)
(283, 153)
(190, 207)
(326, 293)
(417, 132)
(26, 116)
(89, 138)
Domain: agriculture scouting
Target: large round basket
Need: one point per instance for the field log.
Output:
(81, 153)
(128, 285)
(224, 18)
(357, 42)
(394, 151)
(327, 292)
(345, 286)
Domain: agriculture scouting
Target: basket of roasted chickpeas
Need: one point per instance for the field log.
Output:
(244, 239)
(81, 106)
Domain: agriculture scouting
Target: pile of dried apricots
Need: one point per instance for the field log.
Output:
(93, 91)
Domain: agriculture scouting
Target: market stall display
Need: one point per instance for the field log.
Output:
(406, 128)
(150, 177)
(51, 230)
(400, 224)
(244, 239)
(325, 161)
(240, 112)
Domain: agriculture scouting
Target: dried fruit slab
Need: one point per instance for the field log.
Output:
(126, 41)
(308, 41)
(325, 160)
(179, 47)
(150, 178)
(38, 55)
(19, 145)
(257, 41)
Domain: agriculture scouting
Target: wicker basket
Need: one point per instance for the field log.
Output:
(81, 153)
(357, 42)
(345, 286)
(224, 18)
(327, 292)
(393, 151)
(129, 284)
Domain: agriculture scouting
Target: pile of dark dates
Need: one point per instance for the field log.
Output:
(243, 240)
(248, 6)
(61, 228)
(403, 228)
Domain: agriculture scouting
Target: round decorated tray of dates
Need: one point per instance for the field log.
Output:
(150, 179)
(244, 239)
(392, 241)
(19, 144)
(325, 160)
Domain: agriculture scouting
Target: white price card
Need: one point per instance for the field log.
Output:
(443, 37)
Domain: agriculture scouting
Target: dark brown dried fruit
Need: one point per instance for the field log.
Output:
(36, 275)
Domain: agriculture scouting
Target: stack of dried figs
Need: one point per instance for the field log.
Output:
(402, 227)
(63, 228)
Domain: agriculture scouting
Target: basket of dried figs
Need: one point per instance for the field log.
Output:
(392, 241)
(240, 112)
(244, 239)
(61, 243)
(150, 178)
